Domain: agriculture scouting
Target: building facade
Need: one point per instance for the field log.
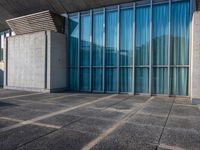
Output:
(137, 48)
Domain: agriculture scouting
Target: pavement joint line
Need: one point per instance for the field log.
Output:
(164, 146)
(23, 95)
(53, 114)
(120, 123)
(35, 123)
(163, 129)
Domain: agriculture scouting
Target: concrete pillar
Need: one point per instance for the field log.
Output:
(195, 60)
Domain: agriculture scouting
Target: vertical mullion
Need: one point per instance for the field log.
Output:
(118, 50)
(150, 53)
(1, 53)
(91, 44)
(79, 41)
(104, 46)
(169, 49)
(133, 76)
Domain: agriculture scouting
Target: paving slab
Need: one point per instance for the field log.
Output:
(5, 123)
(73, 101)
(39, 97)
(91, 125)
(21, 113)
(183, 101)
(44, 107)
(185, 111)
(148, 119)
(61, 120)
(5, 105)
(97, 113)
(60, 140)
(162, 110)
(12, 93)
(13, 138)
(180, 139)
(192, 124)
(131, 136)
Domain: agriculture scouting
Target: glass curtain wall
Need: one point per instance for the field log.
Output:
(142, 49)
(180, 20)
(132, 47)
(97, 51)
(85, 52)
(73, 52)
(126, 49)
(111, 50)
(160, 47)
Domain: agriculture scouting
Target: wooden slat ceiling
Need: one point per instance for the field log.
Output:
(41, 21)
(14, 8)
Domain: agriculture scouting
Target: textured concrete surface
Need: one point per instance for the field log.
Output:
(37, 62)
(195, 77)
(73, 121)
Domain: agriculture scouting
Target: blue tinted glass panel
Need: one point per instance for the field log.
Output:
(160, 81)
(97, 79)
(160, 31)
(85, 40)
(73, 79)
(84, 79)
(73, 41)
(111, 79)
(97, 49)
(126, 37)
(111, 38)
(179, 81)
(142, 35)
(180, 21)
(126, 79)
(142, 80)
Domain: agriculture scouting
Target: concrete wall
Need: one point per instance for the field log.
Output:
(26, 61)
(36, 62)
(195, 68)
(58, 59)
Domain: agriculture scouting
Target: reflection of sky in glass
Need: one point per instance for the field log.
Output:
(74, 27)
(111, 38)
(160, 32)
(180, 19)
(126, 37)
(142, 35)
(98, 39)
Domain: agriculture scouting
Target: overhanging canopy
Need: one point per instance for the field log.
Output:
(15, 8)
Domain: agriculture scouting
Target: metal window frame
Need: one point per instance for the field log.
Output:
(134, 48)
(169, 49)
(104, 47)
(150, 50)
(118, 50)
(79, 44)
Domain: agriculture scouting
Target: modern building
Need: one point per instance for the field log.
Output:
(147, 47)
